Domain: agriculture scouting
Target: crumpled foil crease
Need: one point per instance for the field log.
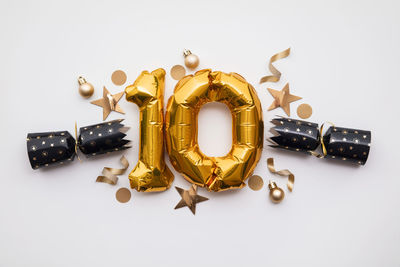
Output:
(214, 173)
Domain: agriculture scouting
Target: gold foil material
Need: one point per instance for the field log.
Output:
(214, 173)
(271, 168)
(151, 173)
(189, 198)
(276, 74)
(110, 174)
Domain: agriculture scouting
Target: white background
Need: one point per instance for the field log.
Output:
(345, 63)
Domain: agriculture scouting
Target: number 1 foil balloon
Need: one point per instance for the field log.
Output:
(151, 173)
(214, 173)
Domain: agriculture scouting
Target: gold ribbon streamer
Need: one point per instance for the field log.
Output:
(110, 174)
(271, 168)
(276, 74)
(76, 142)
(324, 153)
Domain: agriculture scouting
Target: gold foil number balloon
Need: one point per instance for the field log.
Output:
(151, 173)
(214, 173)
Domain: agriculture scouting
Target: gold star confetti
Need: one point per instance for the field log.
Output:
(189, 198)
(282, 99)
(109, 102)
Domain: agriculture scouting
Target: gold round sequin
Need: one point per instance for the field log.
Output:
(118, 77)
(304, 111)
(178, 72)
(123, 195)
(255, 182)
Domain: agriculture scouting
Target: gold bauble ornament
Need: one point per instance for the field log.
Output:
(191, 60)
(276, 194)
(85, 89)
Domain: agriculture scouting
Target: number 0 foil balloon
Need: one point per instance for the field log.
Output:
(151, 173)
(214, 173)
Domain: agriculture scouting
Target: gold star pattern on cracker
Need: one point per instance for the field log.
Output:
(109, 102)
(189, 198)
(282, 99)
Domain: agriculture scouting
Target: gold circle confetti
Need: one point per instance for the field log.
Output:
(123, 195)
(118, 77)
(178, 72)
(304, 111)
(255, 182)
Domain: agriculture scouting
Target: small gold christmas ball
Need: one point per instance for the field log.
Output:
(85, 89)
(276, 194)
(191, 60)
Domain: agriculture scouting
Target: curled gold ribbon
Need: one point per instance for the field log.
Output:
(271, 168)
(276, 74)
(110, 174)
